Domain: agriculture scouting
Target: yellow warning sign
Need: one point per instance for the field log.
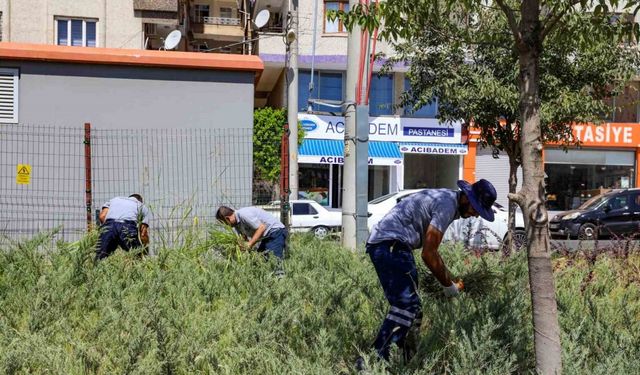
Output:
(23, 174)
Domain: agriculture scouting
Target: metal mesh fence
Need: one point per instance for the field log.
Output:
(183, 174)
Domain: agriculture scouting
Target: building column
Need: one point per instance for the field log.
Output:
(469, 163)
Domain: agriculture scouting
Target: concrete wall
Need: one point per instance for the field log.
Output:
(132, 97)
(33, 21)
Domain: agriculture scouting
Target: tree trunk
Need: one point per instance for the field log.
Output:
(511, 223)
(531, 197)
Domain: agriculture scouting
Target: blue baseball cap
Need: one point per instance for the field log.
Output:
(482, 195)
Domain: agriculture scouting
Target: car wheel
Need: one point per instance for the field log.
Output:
(587, 231)
(520, 238)
(320, 232)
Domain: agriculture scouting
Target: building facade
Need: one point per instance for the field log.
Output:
(430, 162)
(408, 148)
(100, 23)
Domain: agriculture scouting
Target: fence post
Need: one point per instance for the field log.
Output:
(87, 174)
(284, 177)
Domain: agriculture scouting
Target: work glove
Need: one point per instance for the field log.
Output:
(454, 289)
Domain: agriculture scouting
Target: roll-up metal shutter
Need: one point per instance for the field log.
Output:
(496, 171)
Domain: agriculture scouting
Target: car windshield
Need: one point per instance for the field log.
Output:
(594, 202)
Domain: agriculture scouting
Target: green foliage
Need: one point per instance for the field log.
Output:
(268, 127)
(205, 307)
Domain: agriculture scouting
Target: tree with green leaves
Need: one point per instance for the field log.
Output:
(268, 127)
(523, 72)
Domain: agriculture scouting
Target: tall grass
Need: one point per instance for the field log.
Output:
(206, 307)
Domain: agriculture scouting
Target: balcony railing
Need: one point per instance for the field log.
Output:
(221, 21)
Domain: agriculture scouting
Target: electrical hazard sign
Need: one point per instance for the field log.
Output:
(23, 174)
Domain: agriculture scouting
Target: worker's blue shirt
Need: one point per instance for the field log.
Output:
(250, 218)
(127, 209)
(408, 221)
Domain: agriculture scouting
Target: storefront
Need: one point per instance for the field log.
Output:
(607, 159)
(404, 153)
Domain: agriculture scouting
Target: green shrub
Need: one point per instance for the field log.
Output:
(206, 307)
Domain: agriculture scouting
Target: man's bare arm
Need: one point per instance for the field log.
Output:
(103, 215)
(431, 257)
(257, 235)
(144, 234)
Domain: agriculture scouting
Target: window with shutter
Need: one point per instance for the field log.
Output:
(8, 95)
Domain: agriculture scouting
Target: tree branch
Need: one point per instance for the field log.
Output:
(553, 19)
(511, 19)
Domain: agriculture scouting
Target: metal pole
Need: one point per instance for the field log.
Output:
(284, 177)
(292, 97)
(349, 239)
(88, 196)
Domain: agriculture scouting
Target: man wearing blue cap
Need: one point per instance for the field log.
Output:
(419, 221)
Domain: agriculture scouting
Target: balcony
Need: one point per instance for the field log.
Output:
(219, 28)
(221, 21)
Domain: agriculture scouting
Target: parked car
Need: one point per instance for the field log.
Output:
(615, 213)
(474, 231)
(310, 216)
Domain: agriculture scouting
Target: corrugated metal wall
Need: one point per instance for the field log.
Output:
(496, 171)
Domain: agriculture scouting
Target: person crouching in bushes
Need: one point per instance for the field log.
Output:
(256, 225)
(125, 223)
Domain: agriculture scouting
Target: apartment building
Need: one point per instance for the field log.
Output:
(99, 23)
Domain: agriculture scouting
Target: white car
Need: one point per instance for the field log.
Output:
(474, 231)
(309, 216)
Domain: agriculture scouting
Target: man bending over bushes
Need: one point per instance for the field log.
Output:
(255, 224)
(124, 223)
(418, 221)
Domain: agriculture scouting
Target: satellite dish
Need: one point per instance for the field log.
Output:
(262, 18)
(172, 39)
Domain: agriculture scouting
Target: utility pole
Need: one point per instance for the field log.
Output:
(354, 201)
(292, 95)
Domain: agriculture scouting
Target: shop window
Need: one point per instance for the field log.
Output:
(334, 26)
(569, 186)
(428, 111)
(381, 95)
(313, 183)
(326, 85)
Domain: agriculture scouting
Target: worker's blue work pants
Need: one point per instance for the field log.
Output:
(396, 269)
(117, 233)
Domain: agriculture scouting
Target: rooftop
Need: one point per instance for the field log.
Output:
(116, 56)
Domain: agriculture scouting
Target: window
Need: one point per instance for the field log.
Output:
(381, 95)
(150, 29)
(200, 11)
(334, 26)
(8, 95)
(326, 86)
(76, 32)
(0, 26)
(303, 209)
(428, 111)
(226, 12)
